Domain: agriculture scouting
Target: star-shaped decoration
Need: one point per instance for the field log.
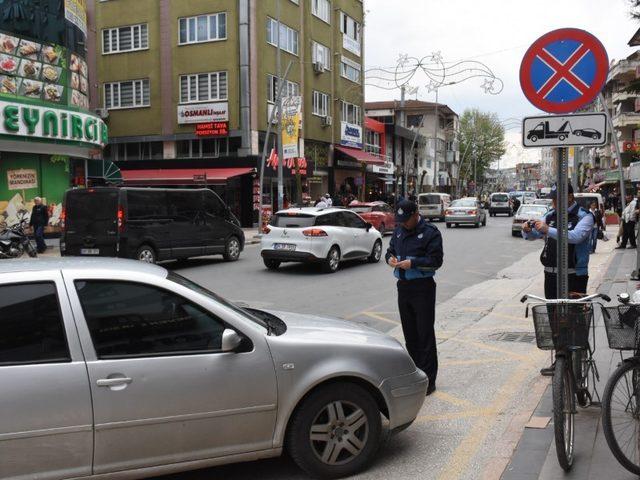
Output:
(433, 86)
(487, 86)
(403, 59)
(436, 57)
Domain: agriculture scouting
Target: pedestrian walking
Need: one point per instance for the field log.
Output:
(598, 226)
(328, 201)
(629, 216)
(38, 221)
(415, 253)
(580, 226)
(516, 205)
(321, 203)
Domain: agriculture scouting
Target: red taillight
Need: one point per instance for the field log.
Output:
(63, 218)
(314, 232)
(472, 212)
(120, 219)
(266, 230)
(449, 212)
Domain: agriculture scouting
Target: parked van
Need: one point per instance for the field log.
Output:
(585, 199)
(149, 224)
(433, 205)
(499, 203)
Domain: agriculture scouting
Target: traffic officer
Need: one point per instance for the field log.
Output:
(415, 253)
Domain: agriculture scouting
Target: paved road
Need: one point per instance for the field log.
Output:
(452, 425)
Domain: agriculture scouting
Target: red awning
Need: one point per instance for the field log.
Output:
(361, 155)
(181, 176)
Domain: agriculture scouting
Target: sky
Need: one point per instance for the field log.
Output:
(495, 32)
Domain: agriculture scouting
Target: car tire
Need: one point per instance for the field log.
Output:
(347, 403)
(376, 252)
(534, 138)
(561, 137)
(448, 225)
(442, 219)
(577, 133)
(271, 264)
(232, 249)
(332, 262)
(477, 224)
(514, 234)
(146, 254)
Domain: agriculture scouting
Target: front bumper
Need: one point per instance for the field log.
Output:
(405, 395)
(516, 227)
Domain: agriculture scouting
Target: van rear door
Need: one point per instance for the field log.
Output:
(91, 226)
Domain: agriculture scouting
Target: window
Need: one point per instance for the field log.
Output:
(321, 104)
(130, 94)
(213, 205)
(349, 27)
(134, 151)
(127, 319)
(351, 113)
(204, 147)
(288, 36)
(372, 142)
(146, 205)
(350, 70)
(203, 87)
(203, 28)
(291, 89)
(321, 9)
(125, 39)
(351, 220)
(31, 326)
(321, 55)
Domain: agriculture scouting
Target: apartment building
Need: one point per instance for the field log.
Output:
(188, 88)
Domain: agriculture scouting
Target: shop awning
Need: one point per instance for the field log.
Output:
(360, 155)
(388, 179)
(182, 176)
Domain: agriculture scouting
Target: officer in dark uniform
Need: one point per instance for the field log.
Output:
(415, 253)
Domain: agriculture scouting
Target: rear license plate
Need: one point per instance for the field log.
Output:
(89, 251)
(284, 246)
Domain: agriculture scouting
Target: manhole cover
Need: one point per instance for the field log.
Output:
(523, 337)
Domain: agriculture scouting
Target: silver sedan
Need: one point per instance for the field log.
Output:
(529, 212)
(465, 211)
(117, 368)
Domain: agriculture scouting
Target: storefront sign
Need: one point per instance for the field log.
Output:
(203, 113)
(22, 179)
(351, 135)
(387, 168)
(314, 180)
(291, 114)
(75, 11)
(212, 129)
(349, 164)
(33, 121)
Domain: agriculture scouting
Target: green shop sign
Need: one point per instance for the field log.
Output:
(25, 121)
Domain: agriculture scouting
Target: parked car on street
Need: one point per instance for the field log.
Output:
(117, 369)
(433, 205)
(499, 203)
(149, 224)
(466, 211)
(543, 201)
(378, 214)
(525, 213)
(326, 236)
(586, 199)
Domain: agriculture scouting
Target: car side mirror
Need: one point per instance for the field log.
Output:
(231, 340)
(368, 226)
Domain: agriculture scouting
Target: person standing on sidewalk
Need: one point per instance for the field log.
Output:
(415, 253)
(598, 226)
(39, 219)
(629, 223)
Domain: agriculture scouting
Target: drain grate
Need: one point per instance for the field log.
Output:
(522, 337)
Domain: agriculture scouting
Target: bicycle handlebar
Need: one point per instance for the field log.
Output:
(588, 298)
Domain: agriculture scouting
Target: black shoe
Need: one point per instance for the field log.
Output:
(548, 371)
(620, 247)
(431, 389)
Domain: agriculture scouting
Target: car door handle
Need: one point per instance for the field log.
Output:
(113, 382)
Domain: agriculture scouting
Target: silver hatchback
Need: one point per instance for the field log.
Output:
(113, 367)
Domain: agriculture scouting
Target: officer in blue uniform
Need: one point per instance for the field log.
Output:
(415, 253)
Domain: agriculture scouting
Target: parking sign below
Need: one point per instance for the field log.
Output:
(565, 130)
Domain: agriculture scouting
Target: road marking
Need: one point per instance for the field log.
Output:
(363, 312)
(452, 399)
(477, 412)
(475, 272)
(381, 318)
(491, 348)
(483, 361)
(508, 317)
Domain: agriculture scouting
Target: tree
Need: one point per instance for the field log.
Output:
(481, 143)
(635, 9)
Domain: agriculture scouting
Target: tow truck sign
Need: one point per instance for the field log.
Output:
(575, 130)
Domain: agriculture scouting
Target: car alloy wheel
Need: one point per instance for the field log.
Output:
(146, 254)
(332, 261)
(232, 250)
(376, 252)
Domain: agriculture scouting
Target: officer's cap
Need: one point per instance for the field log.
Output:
(554, 190)
(405, 210)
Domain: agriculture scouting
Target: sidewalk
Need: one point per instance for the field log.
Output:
(535, 456)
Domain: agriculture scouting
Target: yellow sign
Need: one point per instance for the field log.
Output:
(291, 118)
(75, 11)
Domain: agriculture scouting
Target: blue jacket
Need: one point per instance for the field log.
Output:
(423, 246)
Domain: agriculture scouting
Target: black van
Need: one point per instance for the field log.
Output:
(149, 224)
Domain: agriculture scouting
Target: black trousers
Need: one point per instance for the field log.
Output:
(577, 284)
(628, 234)
(417, 305)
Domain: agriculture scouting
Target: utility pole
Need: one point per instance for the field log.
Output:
(403, 123)
(436, 123)
(279, 107)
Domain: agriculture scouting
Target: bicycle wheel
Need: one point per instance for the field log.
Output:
(579, 359)
(563, 413)
(621, 415)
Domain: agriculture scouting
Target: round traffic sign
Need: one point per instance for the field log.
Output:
(564, 70)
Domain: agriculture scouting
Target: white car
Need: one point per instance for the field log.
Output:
(319, 235)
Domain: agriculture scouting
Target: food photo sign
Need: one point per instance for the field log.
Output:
(42, 71)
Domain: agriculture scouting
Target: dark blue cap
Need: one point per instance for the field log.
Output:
(405, 210)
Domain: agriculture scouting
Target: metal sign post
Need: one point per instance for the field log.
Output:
(562, 285)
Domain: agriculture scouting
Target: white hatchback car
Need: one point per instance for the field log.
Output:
(319, 235)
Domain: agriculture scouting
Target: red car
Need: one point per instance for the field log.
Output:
(378, 214)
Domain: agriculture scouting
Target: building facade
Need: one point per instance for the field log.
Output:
(48, 136)
(192, 86)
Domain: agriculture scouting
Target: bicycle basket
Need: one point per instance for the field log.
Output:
(622, 326)
(562, 326)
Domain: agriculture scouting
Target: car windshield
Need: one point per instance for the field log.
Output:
(429, 199)
(464, 202)
(532, 210)
(361, 209)
(585, 202)
(499, 198)
(180, 280)
(292, 220)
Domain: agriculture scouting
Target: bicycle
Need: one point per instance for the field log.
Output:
(621, 398)
(565, 325)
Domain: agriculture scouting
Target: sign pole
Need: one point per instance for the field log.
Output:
(562, 276)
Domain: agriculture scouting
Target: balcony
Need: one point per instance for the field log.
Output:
(622, 96)
(624, 70)
(626, 119)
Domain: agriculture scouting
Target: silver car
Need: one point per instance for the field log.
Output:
(529, 212)
(116, 368)
(466, 211)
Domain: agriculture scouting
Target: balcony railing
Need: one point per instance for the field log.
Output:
(624, 68)
(626, 119)
(622, 96)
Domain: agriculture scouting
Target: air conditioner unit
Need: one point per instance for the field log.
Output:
(102, 113)
(318, 67)
(327, 121)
